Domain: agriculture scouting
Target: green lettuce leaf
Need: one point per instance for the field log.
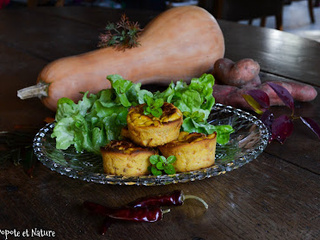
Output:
(194, 99)
(98, 118)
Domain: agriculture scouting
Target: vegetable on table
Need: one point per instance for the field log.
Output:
(174, 198)
(235, 79)
(299, 91)
(230, 95)
(181, 43)
(144, 209)
(233, 96)
(99, 118)
(244, 72)
(151, 214)
(280, 127)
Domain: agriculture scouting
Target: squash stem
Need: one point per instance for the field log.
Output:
(39, 90)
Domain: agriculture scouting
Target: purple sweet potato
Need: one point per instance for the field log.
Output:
(242, 73)
(233, 96)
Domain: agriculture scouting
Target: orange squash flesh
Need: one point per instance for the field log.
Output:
(179, 44)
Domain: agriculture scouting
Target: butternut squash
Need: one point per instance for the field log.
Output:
(179, 44)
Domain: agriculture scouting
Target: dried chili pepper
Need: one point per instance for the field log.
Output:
(145, 209)
(106, 224)
(175, 198)
(143, 214)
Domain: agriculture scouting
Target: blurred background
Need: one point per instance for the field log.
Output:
(300, 17)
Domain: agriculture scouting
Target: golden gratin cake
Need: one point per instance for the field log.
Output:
(192, 150)
(126, 158)
(149, 131)
(125, 133)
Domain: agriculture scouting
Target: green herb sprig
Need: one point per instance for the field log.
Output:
(161, 164)
(153, 106)
(121, 35)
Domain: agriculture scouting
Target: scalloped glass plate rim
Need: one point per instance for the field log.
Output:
(150, 180)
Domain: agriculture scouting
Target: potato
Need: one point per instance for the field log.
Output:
(230, 95)
(233, 96)
(242, 73)
(299, 91)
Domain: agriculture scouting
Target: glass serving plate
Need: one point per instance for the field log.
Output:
(246, 143)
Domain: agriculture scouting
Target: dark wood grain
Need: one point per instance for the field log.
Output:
(51, 39)
(276, 196)
(262, 199)
(277, 52)
(18, 70)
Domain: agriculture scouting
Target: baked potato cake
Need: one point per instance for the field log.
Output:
(126, 158)
(150, 131)
(192, 150)
(124, 134)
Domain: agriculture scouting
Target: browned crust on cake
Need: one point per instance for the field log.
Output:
(126, 158)
(193, 151)
(149, 131)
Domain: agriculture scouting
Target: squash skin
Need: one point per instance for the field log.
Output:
(179, 44)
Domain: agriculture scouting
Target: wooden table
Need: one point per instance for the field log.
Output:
(275, 196)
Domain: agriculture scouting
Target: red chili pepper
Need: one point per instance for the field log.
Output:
(145, 209)
(106, 224)
(175, 198)
(152, 214)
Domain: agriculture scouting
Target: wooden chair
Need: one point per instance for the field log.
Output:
(310, 7)
(311, 14)
(236, 10)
